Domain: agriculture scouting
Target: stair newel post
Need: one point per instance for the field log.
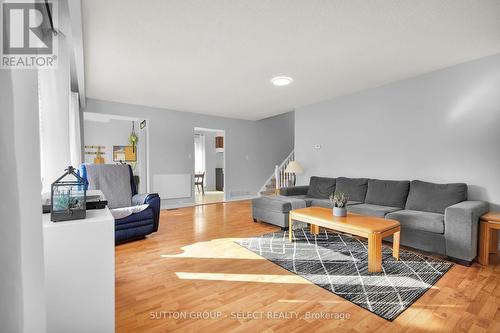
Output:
(287, 175)
(281, 174)
(276, 176)
(282, 177)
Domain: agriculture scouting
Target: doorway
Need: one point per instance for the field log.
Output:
(209, 166)
(107, 141)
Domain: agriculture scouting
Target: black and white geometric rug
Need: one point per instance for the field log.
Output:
(338, 263)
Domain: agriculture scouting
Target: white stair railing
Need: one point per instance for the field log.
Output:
(283, 179)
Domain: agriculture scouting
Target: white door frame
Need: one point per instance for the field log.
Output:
(104, 116)
(204, 129)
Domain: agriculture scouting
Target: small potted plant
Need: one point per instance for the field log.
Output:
(339, 201)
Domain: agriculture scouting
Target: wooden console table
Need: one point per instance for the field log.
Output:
(488, 236)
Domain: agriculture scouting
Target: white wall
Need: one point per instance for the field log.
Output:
(22, 284)
(54, 87)
(442, 127)
(22, 278)
(11, 301)
(252, 147)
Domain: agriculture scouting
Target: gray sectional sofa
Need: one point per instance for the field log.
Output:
(435, 218)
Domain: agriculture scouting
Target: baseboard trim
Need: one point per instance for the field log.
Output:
(243, 198)
(177, 205)
(192, 204)
(460, 261)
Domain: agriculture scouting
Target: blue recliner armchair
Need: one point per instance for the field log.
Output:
(118, 186)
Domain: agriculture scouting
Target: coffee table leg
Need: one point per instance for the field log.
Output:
(290, 229)
(395, 244)
(374, 252)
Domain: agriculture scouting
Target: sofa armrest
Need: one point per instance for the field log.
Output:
(153, 200)
(294, 190)
(461, 228)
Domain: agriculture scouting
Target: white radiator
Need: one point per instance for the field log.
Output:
(173, 186)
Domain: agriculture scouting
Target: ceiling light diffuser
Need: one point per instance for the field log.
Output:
(281, 80)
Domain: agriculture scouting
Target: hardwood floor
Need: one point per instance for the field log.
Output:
(192, 267)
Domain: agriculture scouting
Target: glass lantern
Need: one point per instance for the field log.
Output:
(68, 197)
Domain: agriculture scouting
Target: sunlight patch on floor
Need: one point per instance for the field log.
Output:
(437, 306)
(222, 248)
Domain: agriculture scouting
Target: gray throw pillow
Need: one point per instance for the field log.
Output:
(355, 188)
(435, 198)
(392, 193)
(321, 187)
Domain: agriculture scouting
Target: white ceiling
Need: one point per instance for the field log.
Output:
(217, 57)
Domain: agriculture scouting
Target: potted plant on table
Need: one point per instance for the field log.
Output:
(339, 201)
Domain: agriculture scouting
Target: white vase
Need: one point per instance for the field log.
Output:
(339, 211)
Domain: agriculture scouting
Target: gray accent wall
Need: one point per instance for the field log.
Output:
(441, 127)
(252, 148)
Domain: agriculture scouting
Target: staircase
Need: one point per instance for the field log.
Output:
(279, 178)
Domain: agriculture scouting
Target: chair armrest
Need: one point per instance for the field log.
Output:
(461, 228)
(294, 190)
(153, 200)
(141, 199)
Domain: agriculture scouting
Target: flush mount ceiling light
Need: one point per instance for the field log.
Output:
(281, 80)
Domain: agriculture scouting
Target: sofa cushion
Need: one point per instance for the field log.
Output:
(294, 190)
(435, 198)
(417, 220)
(146, 214)
(327, 204)
(321, 187)
(391, 193)
(306, 198)
(126, 234)
(134, 224)
(278, 203)
(372, 210)
(355, 188)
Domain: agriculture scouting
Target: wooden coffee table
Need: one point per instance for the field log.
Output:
(372, 228)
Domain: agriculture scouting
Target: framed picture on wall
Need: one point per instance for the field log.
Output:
(124, 154)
